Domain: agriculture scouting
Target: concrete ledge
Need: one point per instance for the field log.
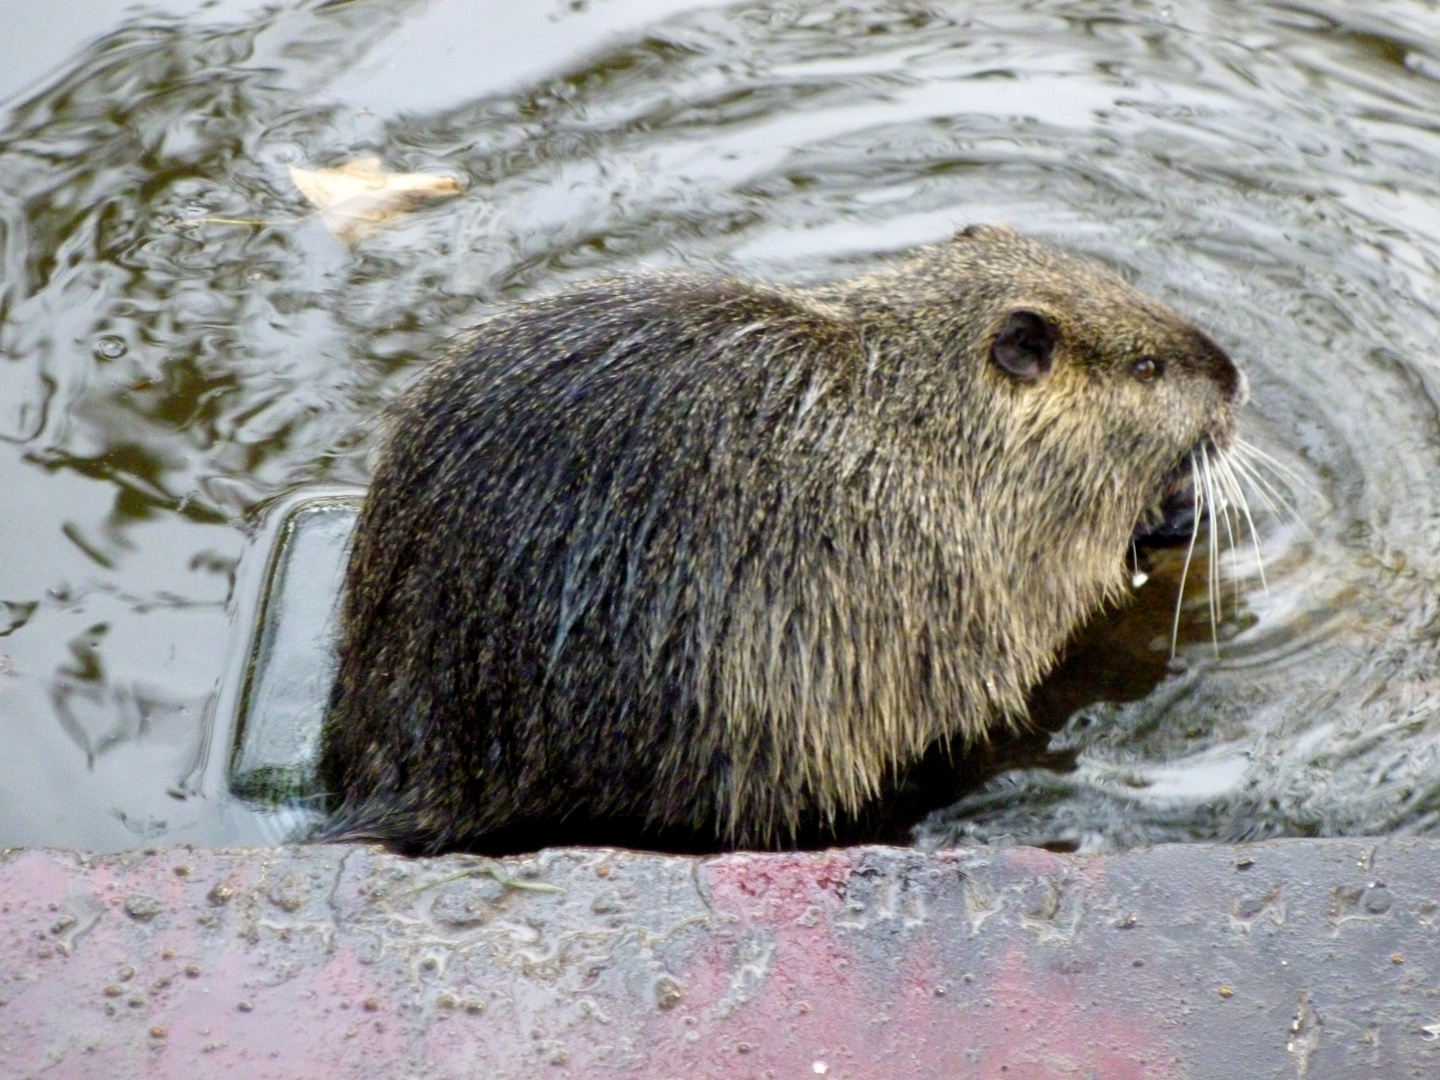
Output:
(1286, 959)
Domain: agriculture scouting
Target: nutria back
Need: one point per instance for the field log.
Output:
(720, 557)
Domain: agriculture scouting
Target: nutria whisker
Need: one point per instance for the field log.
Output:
(1198, 488)
(1216, 597)
(1237, 510)
(1269, 495)
(1225, 498)
(1228, 466)
(1218, 499)
(1221, 480)
(1288, 475)
(1280, 486)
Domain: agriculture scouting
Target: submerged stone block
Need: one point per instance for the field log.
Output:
(292, 659)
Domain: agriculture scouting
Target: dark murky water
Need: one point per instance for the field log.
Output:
(1271, 169)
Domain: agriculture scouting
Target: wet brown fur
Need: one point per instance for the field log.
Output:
(720, 557)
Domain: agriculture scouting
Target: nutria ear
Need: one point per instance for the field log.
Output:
(1024, 345)
(987, 232)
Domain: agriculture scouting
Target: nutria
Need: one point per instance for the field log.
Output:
(720, 557)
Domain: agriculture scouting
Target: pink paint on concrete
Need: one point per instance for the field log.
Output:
(861, 963)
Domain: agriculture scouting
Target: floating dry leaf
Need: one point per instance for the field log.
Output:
(356, 198)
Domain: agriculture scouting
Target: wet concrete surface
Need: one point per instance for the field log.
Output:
(1293, 958)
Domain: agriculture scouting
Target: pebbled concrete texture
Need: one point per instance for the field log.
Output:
(1300, 958)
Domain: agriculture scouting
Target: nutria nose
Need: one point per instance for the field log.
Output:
(1241, 394)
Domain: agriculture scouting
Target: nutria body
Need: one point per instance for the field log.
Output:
(720, 557)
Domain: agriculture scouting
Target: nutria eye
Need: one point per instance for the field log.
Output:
(1024, 346)
(1146, 369)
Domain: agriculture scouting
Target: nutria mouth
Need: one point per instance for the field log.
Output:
(1177, 510)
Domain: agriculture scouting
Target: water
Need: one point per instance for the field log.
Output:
(166, 384)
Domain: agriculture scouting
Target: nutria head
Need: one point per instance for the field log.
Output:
(1058, 350)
